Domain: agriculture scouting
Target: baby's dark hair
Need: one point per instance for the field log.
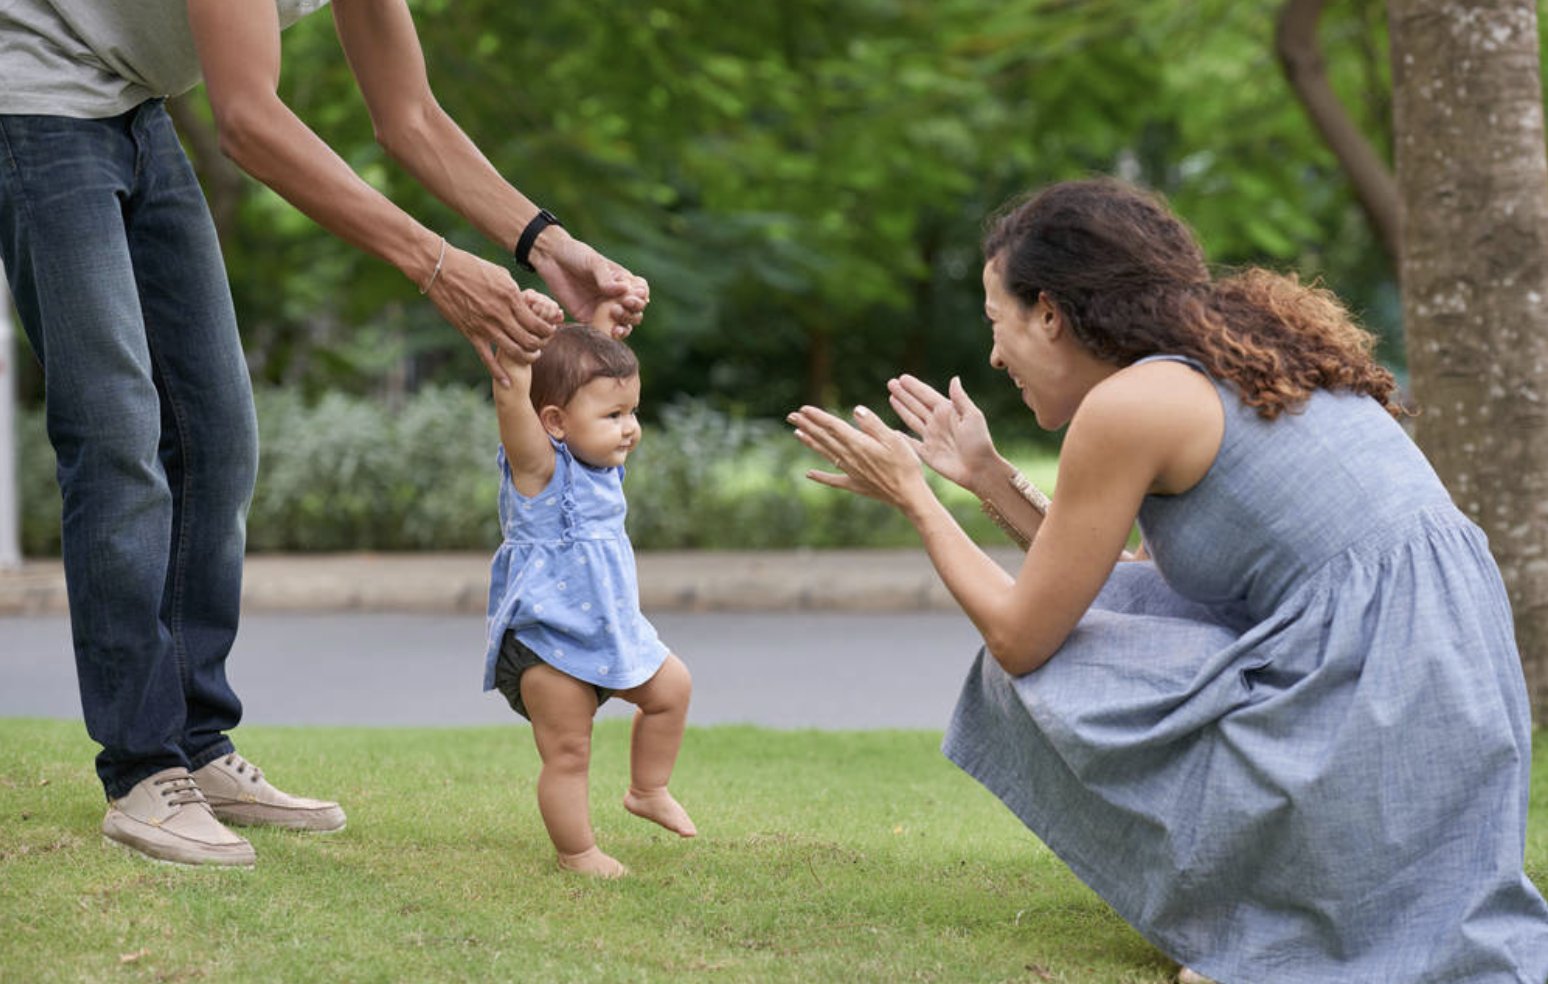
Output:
(575, 356)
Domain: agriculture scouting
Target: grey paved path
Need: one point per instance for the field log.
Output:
(829, 639)
(831, 670)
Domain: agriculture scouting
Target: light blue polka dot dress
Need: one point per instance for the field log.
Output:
(564, 578)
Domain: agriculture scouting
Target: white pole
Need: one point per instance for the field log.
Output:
(10, 499)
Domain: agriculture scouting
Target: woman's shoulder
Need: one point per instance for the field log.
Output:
(1155, 393)
(1164, 411)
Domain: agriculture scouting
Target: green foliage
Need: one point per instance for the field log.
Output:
(701, 473)
(804, 185)
(804, 182)
(706, 480)
(345, 473)
(37, 487)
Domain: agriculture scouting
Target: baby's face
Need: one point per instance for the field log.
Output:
(600, 422)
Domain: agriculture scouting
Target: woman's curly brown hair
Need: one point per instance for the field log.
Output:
(1130, 279)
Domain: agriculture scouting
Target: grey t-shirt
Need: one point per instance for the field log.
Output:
(96, 58)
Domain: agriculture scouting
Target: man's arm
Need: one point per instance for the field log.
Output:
(382, 45)
(239, 51)
(385, 55)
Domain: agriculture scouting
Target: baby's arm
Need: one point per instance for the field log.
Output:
(617, 317)
(527, 450)
(602, 319)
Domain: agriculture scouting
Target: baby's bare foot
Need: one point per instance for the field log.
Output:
(660, 807)
(593, 862)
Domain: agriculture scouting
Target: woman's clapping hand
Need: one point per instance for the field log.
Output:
(874, 460)
(952, 435)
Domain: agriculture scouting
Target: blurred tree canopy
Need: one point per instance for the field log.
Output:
(805, 182)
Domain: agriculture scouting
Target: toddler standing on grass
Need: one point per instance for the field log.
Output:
(565, 627)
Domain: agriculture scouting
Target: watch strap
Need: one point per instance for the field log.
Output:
(529, 235)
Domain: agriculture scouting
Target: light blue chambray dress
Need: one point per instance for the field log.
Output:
(1294, 748)
(564, 578)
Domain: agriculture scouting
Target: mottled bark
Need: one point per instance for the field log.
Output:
(1300, 57)
(1473, 177)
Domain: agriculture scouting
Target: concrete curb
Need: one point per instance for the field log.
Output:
(759, 581)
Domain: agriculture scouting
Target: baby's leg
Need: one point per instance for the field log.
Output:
(661, 715)
(562, 708)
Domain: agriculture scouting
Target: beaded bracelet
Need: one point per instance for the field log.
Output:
(1027, 491)
(998, 518)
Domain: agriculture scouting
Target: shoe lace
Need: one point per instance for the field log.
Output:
(242, 765)
(180, 790)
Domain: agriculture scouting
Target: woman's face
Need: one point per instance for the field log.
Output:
(1023, 347)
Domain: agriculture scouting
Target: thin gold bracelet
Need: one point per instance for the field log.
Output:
(437, 271)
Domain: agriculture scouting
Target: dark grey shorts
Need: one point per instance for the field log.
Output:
(516, 659)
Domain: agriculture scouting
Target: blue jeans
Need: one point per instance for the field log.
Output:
(121, 288)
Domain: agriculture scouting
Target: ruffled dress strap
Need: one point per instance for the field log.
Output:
(564, 464)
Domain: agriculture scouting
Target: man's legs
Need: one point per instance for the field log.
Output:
(68, 198)
(208, 448)
(209, 453)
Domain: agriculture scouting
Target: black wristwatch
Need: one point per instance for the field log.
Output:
(529, 235)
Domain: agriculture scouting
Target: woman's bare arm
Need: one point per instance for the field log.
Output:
(1140, 431)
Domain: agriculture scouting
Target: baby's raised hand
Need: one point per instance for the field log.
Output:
(543, 306)
(618, 317)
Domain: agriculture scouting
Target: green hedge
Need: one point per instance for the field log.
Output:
(344, 473)
(36, 486)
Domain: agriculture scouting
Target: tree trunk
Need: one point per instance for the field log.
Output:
(1473, 177)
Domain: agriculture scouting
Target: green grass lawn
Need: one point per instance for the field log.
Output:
(824, 856)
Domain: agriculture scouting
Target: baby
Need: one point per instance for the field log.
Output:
(565, 627)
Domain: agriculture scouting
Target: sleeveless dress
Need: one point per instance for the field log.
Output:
(564, 578)
(1294, 747)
